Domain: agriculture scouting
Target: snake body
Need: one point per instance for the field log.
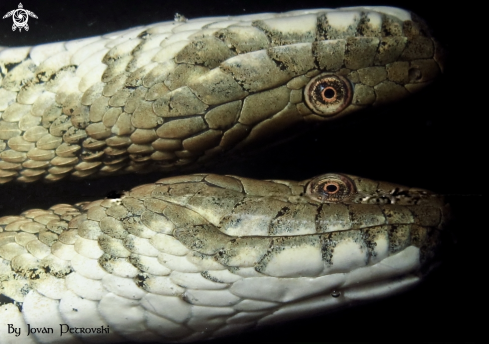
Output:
(177, 94)
(202, 256)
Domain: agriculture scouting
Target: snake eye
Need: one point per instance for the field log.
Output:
(328, 94)
(330, 187)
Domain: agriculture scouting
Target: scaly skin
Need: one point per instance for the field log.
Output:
(202, 256)
(178, 94)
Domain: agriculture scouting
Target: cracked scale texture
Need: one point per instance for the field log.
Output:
(177, 94)
(201, 256)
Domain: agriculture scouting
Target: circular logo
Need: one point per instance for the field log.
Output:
(20, 18)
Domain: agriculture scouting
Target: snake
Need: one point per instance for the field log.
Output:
(201, 256)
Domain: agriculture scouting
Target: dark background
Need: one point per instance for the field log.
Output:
(432, 140)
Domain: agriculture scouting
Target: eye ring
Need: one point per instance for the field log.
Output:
(330, 188)
(328, 94)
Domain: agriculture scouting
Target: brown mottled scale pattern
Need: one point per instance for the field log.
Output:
(202, 256)
(198, 252)
(178, 94)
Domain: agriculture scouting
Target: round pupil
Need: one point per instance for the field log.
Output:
(329, 93)
(331, 188)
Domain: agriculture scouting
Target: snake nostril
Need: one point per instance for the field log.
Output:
(415, 74)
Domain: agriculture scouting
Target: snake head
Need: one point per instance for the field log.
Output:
(385, 55)
(410, 216)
